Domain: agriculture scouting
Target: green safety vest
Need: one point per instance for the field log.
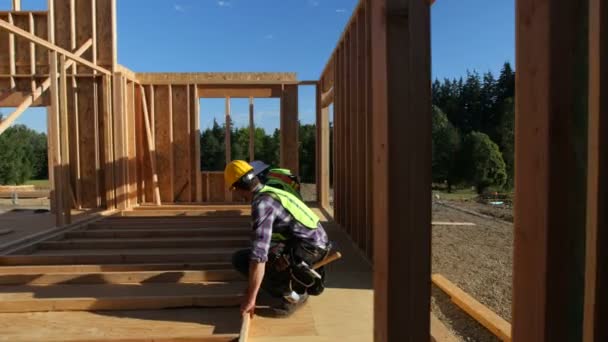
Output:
(283, 183)
(300, 211)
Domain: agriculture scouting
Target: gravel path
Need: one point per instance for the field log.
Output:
(478, 259)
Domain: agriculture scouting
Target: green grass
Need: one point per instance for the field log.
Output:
(457, 194)
(40, 183)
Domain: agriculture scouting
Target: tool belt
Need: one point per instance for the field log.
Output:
(296, 258)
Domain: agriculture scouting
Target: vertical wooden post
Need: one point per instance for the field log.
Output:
(16, 5)
(54, 134)
(550, 160)
(322, 150)
(251, 131)
(289, 129)
(68, 196)
(596, 285)
(151, 147)
(11, 53)
(120, 162)
(197, 194)
(32, 26)
(108, 128)
(401, 94)
(227, 144)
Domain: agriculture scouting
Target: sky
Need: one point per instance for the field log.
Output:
(284, 36)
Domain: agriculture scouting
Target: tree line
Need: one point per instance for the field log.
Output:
(23, 155)
(473, 130)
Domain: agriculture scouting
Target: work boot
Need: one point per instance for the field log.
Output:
(286, 308)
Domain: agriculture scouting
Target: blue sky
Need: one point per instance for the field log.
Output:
(284, 35)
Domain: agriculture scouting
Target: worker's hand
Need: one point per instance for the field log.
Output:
(248, 307)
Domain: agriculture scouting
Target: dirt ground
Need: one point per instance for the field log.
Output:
(478, 259)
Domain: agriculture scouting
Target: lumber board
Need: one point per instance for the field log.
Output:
(181, 144)
(439, 332)
(64, 142)
(550, 153)
(251, 130)
(119, 139)
(106, 33)
(195, 171)
(11, 52)
(21, 46)
(289, 151)
(151, 232)
(151, 150)
(134, 277)
(229, 78)
(245, 324)
(164, 141)
(482, 314)
(401, 78)
(596, 273)
(21, 33)
(108, 151)
(132, 144)
(440, 223)
(363, 237)
(140, 150)
(4, 52)
(84, 23)
(323, 146)
(87, 142)
(126, 243)
(239, 91)
(105, 268)
(119, 297)
(16, 5)
(41, 30)
(119, 256)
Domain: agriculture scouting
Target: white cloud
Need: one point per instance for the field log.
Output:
(178, 8)
(269, 36)
(313, 3)
(224, 3)
(340, 10)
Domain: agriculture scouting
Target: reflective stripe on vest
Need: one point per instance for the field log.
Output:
(302, 213)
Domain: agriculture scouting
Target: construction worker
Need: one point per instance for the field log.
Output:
(277, 178)
(287, 240)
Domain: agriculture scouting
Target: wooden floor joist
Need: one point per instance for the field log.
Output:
(486, 317)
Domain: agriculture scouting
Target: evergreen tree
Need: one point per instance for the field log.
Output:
(445, 148)
(483, 162)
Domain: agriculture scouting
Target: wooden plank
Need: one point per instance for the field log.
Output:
(120, 163)
(229, 78)
(362, 132)
(245, 323)
(41, 29)
(401, 78)
(135, 277)
(228, 151)
(105, 30)
(87, 143)
(151, 149)
(64, 143)
(354, 139)
(55, 144)
(140, 150)
(132, 146)
(368, 133)
(550, 154)
(165, 242)
(347, 122)
(24, 34)
(16, 5)
(596, 272)
(4, 54)
(251, 131)
(486, 317)
(181, 144)
(440, 223)
(22, 48)
(338, 137)
(83, 28)
(32, 50)
(239, 91)
(197, 194)
(164, 141)
(11, 52)
(113, 268)
(439, 332)
(290, 129)
(36, 95)
(108, 151)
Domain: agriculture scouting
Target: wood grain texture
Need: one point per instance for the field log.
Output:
(181, 144)
(164, 141)
(289, 129)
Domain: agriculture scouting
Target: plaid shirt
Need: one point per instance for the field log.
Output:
(268, 217)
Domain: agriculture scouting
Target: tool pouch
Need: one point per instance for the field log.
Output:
(304, 256)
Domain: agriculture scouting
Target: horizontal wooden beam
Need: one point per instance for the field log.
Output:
(32, 38)
(239, 91)
(486, 317)
(39, 91)
(234, 78)
(15, 98)
(308, 83)
(129, 74)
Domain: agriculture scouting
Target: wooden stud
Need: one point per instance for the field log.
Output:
(181, 144)
(368, 133)
(140, 148)
(289, 129)
(55, 144)
(251, 131)
(550, 158)
(322, 151)
(151, 149)
(72, 18)
(227, 144)
(63, 136)
(16, 5)
(11, 52)
(120, 172)
(361, 133)
(132, 145)
(24, 34)
(164, 140)
(105, 34)
(109, 159)
(401, 94)
(32, 26)
(195, 175)
(228, 78)
(596, 273)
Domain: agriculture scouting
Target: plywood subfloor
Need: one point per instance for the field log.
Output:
(151, 324)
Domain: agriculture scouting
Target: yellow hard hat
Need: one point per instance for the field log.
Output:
(235, 170)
